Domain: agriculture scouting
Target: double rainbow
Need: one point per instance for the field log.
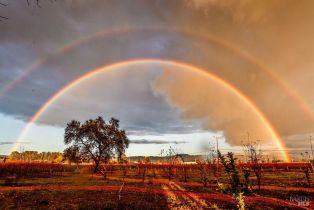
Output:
(97, 71)
(208, 38)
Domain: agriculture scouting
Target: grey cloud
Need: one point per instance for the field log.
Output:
(123, 95)
(299, 141)
(12, 142)
(6, 142)
(144, 141)
(277, 34)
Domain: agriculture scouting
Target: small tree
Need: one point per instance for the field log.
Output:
(203, 167)
(15, 155)
(96, 140)
(255, 158)
(231, 170)
(229, 164)
(72, 154)
(247, 182)
(171, 157)
(306, 157)
(144, 163)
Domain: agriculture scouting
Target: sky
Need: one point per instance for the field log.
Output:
(213, 68)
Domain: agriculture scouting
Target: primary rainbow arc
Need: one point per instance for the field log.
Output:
(105, 68)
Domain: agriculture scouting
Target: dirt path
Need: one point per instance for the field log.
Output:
(192, 199)
(195, 184)
(173, 200)
(187, 200)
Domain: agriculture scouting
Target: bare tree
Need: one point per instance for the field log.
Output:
(145, 162)
(203, 167)
(306, 157)
(254, 153)
(171, 158)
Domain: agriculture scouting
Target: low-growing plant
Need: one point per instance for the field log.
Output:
(3, 202)
(306, 172)
(229, 164)
(222, 187)
(247, 182)
(241, 201)
(231, 171)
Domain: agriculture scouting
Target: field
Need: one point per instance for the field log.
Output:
(148, 186)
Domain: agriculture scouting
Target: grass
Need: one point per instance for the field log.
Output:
(76, 199)
(75, 179)
(77, 190)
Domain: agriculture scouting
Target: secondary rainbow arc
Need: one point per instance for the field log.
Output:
(209, 38)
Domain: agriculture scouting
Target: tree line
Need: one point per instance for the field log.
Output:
(37, 156)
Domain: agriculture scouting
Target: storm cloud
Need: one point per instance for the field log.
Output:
(263, 48)
(144, 141)
(125, 93)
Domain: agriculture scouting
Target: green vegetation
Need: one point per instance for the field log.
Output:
(95, 140)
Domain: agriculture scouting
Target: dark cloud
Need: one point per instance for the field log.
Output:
(6, 142)
(122, 94)
(144, 141)
(225, 37)
(12, 142)
(299, 142)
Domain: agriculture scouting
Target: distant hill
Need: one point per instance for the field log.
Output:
(185, 157)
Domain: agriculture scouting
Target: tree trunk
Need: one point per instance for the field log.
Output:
(154, 172)
(258, 177)
(96, 166)
(169, 173)
(144, 174)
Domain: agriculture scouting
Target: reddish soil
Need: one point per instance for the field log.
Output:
(250, 200)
